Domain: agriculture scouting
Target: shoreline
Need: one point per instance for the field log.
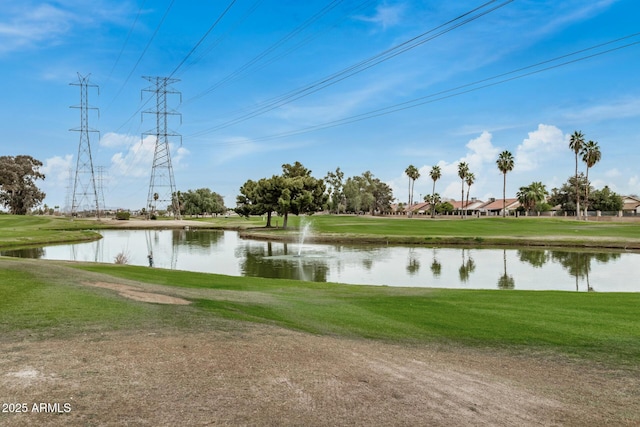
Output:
(250, 231)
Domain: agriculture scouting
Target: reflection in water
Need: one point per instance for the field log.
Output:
(436, 267)
(413, 264)
(505, 281)
(535, 257)
(36, 253)
(578, 264)
(468, 266)
(471, 268)
(285, 267)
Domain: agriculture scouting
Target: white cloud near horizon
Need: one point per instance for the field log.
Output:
(538, 147)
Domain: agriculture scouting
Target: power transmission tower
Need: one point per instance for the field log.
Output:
(69, 188)
(162, 187)
(100, 187)
(85, 195)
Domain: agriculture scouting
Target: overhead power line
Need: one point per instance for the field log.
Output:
(144, 51)
(456, 91)
(352, 70)
(235, 74)
(202, 38)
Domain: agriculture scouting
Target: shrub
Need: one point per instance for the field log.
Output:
(123, 216)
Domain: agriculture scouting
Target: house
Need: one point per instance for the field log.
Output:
(470, 208)
(631, 205)
(494, 206)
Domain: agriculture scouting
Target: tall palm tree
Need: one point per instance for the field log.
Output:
(463, 171)
(470, 179)
(413, 174)
(435, 175)
(505, 164)
(590, 155)
(575, 143)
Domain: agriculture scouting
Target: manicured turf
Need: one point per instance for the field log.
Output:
(22, 230)
(601, 326)
(43, 298)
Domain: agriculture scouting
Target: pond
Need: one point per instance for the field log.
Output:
(224, 252)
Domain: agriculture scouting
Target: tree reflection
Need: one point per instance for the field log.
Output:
(201, 238)
(414, 263)
(505, 281)
(578, 264)
(35, 253)
(468, 266)
(257, 262)
(535, 257)
(436, 267)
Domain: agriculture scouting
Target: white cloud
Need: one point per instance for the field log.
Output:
(480, 153)
(28, 25)
(613, 173)
(618, 109)
(56, 169)
(385, 16)
(137, 160)
(114, 140)
(538, 147)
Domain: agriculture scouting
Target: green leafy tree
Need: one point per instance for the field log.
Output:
(336, 190)
(259, 197)
(444, 208)
(435, 174)
(575, 143)
(505, 164)
(301, 194)
(605, 200)
(590, 155)
(463, 171)
(366, 193)
(201, 202)
(565, 196)
(18, 189)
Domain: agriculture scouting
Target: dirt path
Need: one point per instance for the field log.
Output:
(270, 376)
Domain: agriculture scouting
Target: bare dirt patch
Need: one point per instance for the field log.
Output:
(271, 376)
(139, 295)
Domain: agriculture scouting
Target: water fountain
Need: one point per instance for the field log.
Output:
(303, 235)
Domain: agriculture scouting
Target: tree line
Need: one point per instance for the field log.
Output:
(296, 191)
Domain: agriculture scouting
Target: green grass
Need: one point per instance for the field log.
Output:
(594, 326)
(22, 230)
(43, 299)
(474, 231)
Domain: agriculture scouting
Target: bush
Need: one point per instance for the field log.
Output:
(123, 216)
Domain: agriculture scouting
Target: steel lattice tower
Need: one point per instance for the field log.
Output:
(85, 194)
(162, 187)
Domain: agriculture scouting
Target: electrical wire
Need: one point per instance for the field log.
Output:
(135, 21)
(453, 92)
(215, 23)
(235, 74)
(352, 70)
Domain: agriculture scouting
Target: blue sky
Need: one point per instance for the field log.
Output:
(260, 51)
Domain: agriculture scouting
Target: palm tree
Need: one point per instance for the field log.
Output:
(505, 164)
(463, 171)
(575, 143)
(590, 155)
(413, 174)
(470, 179)
(531, 195)
(435, 175)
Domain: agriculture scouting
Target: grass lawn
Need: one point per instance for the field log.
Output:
(40, 300)
(43, 299)
(23, 230)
